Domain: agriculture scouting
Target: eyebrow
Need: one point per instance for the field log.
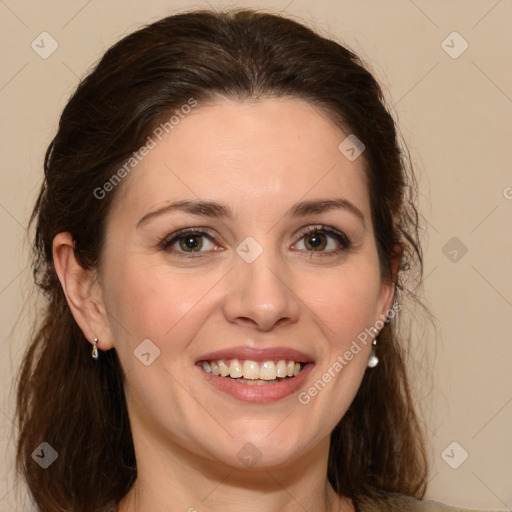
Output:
(217, 210)
(323, 205)
(200, 208)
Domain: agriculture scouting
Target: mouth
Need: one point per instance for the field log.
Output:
(256, 375)
(253, 372)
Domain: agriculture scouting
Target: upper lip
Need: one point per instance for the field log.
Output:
(258, 354)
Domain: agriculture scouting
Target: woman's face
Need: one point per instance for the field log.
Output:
(277, 263)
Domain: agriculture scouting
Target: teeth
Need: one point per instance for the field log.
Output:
(248, 370)
(251, 370)
(224, 368)
(257, 382)
(281, 368)
(215, 368)
(235, 369)
(268, 371)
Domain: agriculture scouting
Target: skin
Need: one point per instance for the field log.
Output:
(258, 159)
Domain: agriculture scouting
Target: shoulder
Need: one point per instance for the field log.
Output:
(401, 503)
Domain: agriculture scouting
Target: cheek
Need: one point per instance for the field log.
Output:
(344, 303)
(153, 302)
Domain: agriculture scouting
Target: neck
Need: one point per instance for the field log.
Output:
(190, 483)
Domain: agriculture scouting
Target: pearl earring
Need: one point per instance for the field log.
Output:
(374, 360)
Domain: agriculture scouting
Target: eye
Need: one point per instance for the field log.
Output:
(323, 240)
(190, 240)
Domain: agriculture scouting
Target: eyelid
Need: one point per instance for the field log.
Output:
(338, 235)
(166, 242)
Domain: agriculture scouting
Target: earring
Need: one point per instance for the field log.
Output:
(374, 360)
(95, 353)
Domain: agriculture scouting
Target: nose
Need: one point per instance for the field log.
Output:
(260, 295)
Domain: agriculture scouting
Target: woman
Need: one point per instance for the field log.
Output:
(224, 235)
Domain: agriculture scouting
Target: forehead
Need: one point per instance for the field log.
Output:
(273, 152)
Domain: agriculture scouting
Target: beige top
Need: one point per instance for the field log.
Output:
(400, 503)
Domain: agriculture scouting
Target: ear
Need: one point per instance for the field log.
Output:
(83, 292)
(388, 286)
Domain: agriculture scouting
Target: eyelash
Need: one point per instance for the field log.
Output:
(341, 238)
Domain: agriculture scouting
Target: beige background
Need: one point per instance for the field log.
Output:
(455, 114)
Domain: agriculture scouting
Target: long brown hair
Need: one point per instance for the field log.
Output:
(77, 405)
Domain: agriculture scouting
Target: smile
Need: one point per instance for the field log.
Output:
(253, 372)
(254, 389)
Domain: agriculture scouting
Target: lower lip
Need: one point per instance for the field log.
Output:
(254, 393)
